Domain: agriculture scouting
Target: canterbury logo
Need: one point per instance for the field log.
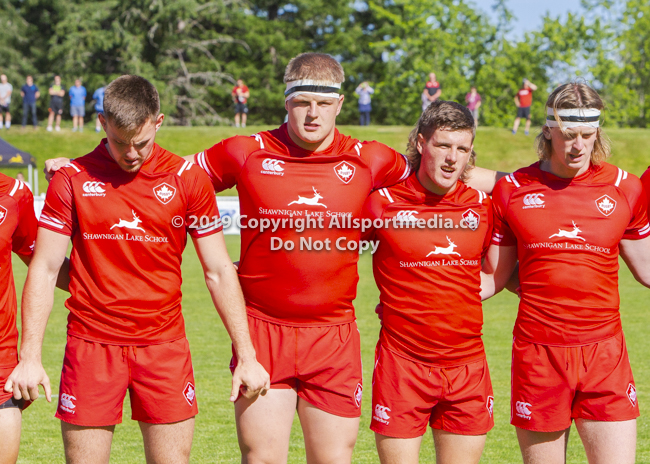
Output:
(382, 412)
(67, 403)
(523, 409)
(92, 188)
(533, 200)
(406, 216)
(272, 165)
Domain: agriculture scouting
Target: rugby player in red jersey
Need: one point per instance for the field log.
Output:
(17, 233)
(567, 218)
(433, 231)
(128, 206)
(299, 300)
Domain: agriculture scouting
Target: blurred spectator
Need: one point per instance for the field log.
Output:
(5, 100)
(364, 91)
(30, 94)
(98, 96)
(523, 100)
(432, 91)
(473, 100)
(20, 177)
(240, 96)
(77, 105)
(57, 92)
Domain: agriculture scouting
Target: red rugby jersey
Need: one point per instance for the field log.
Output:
(17, 233)
(128, 235)
(429, 277)
(277, 180)
(567, 233)
(645, 179)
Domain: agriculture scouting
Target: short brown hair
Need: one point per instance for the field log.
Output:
(574, 95)
(315, 66)
(130, 101)
(443, 115)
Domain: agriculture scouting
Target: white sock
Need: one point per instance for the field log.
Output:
(8, 124)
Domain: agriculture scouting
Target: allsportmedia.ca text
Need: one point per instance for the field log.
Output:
(300, 224)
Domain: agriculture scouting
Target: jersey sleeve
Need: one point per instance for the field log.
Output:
(224, 161)
(387, 166)
(22, 241)
(502, 234)
(638, 227)
(202, 217)
(58, 214)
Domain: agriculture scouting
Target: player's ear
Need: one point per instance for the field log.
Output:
(159, 121)
(338, 110)
(547, 132)
(420, 143)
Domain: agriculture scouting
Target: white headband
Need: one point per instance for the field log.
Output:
(573, 117)
(312, 87)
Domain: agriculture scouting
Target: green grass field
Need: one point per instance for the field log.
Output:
(215, 436)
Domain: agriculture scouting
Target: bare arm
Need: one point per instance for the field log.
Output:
(223, 284)
(484, 179)
(517, 101)
(498, 267)
(38, 298)
(532, 86)
(63, 279)
(636, 254)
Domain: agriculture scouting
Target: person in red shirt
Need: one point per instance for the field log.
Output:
(128, 206)
(240, 95)
(430, 364)
(431, 92)
(300, 188)
(524, 100)
(567, 218)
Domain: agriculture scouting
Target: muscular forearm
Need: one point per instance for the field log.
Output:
(37, 301)
(229, 301)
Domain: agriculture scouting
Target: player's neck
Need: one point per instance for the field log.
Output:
(315, 147)
(426, 182)
(561, 170)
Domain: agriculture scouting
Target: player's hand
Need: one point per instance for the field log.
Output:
(53, 165)
(236, 264)
(251, 379)
(25, 379)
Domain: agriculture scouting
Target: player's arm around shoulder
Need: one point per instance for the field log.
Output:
(38, 298)
(501, 256)
(484, 179)
(635, 245)
(223, 284)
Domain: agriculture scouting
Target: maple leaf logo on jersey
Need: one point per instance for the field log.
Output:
(3, 214)
(471, 219)
(164, 192)
(344, 171)
(606, 205)
(358, 393)
(189, 393)
(490, 405)
(631, 394)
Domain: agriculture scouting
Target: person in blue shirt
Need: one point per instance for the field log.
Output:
(77, 105)
(30, 94)
(98, 96)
